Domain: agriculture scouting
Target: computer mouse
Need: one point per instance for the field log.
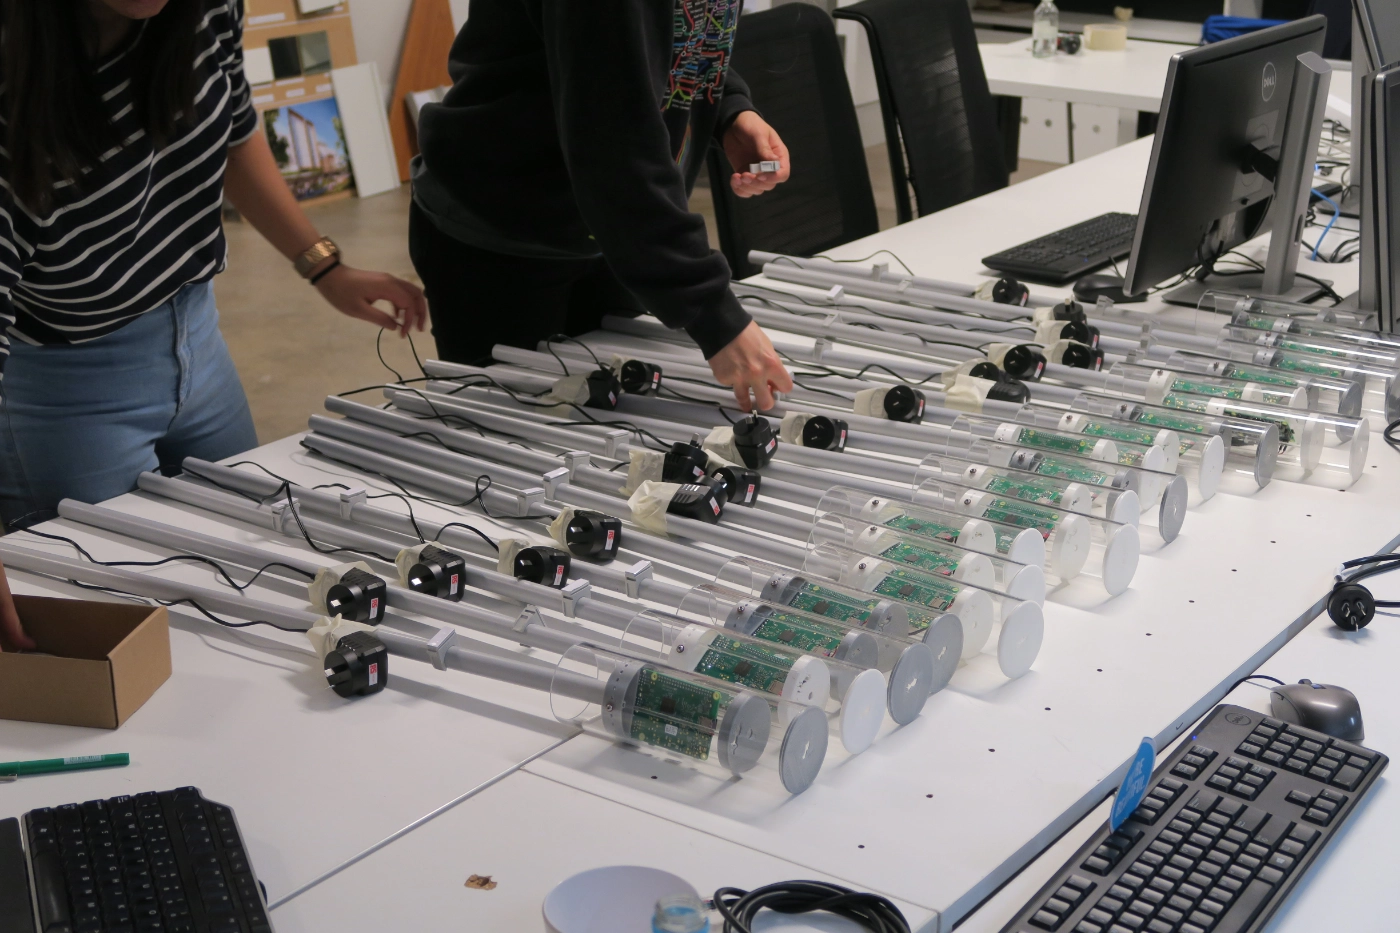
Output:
(1324, 707)
(1090, 287)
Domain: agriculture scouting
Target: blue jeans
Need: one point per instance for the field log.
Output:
(84, 421)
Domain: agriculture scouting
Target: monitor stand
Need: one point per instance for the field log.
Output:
(1350, 204)
(1302, 292)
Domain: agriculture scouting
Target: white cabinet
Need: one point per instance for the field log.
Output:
(1099, 129)
(1045, 130)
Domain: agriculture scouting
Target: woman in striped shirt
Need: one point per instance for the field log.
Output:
(125, 124)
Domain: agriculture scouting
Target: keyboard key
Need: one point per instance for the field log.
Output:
(1042, 918)
(1321, 817)
(1273, 757)
(1347, 777)
(1201, 919)
(1320, 773)
(1079, 883)
(1171, 874)
(1180, 903)
(1088, 926)
(1160, 926)
(1132, 921)
(1204, 800)
(1110, 904)
(1101, 917)
(1296, 765)
(1299, 798)
(1065, 893)
(1304, 834)
(1169, 915)
(1219, 781)
(1212, 907)
(1185, 770)
(1229, 807)
(1098, 866)
(1250, 749)
(1349, 749)
(1151, 896)
(1191, 891)
(1249, 863)
(1250, 821)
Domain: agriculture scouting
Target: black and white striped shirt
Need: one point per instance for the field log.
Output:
(145, 222)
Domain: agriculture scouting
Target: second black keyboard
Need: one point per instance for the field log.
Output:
(1064, 255)
(1231, 822)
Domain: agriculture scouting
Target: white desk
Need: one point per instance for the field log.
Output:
(1132, 79)
(1154, 30)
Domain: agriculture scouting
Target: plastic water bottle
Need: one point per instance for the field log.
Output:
(1045, 34)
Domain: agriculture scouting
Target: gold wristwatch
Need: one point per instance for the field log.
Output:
(319, 252)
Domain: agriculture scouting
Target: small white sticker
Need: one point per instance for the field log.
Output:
(452, 587)
(672, 730)
(373, 674)
(81, 759)
(749, 496)
(558, 574)
(714, 504)
(611, 535)
(374, 606)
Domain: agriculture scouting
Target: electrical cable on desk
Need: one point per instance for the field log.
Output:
(472, 528)
(878, 252)
(477, 499)
(565, 338)
(412, 518)
(1336, 212)
(739, 908)
(187, 602)
(1390, 435)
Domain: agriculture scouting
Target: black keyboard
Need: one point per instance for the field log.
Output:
(1066, 254)
(168, 862)
(1231, 822)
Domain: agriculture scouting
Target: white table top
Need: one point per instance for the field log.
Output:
(1132, 79)
(1154, 30)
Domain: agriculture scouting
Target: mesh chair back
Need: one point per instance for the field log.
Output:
(940, 120)
(792, 62)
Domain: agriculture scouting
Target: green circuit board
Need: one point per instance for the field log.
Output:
(921, 558)
(821, 601)
(746, 664)
(676, 714)
(1192, 387)
(1264, 376)
(1068, 470)
(1315, 349)
(1162, 419)
(1022, 515)
(907, 587)
(927, 529)
(1042, 440)
(1286, 434)
(1119, 432)
(1027, 490)
(1313, 368)
(805, 635)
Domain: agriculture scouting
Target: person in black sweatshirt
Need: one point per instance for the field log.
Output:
(554, 177)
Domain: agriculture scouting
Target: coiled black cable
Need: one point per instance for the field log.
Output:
(739, 907)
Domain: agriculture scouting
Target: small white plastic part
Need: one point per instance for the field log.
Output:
(975, 609)
(1008, 433)
(1120, 559)
(1071, 422)
(1127, 509)
(758, 168)
(808, 683)
(1028, 584)
(1105, 450)
(1021, 636)
(1028, 547)
(1069, 546)
(862, 711)
(1076, 498)
(1212, 468)
(1157, 385)
(976, 569)
(977, 535)
(1156, 459)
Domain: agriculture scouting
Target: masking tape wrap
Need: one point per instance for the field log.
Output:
(870, 402)
(986, 291)
(968, 393)
(646, 467)
(405, 559)
(571, 390)
(720, 443)
(1047, 332)
(1042, 315)
(1055, 352)
(649, 505)
(559, 528)
(326, 632)
(996, 352)
(505, 558)
(790, 430)
(320, 586)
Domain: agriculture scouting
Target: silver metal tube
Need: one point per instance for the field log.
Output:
(611, 443)
(523, 672)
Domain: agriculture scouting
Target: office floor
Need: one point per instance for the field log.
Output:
(291, 349)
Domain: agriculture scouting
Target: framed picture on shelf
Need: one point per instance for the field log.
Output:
(308, 142)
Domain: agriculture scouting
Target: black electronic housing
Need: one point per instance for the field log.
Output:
(1081, 356)
(755, 441)
(823, 433)
(905, 403)
(741, 485)
(439, 573)
(1080, 331)
(1024, 362)
(358, 665)
(603, 389)
(684, 463)
(701, 501)
(358, 596)
(638, 378)
(1069, 310)
(1008, 291)
(593, 534)
(1009, 390)
(986, 370)
(547, 566)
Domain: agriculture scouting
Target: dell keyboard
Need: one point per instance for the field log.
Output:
(1231, 822)
(168, 862)
(1064, 255)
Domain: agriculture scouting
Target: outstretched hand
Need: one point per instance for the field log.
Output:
(749, 140)
(751, 365)
(353, 292)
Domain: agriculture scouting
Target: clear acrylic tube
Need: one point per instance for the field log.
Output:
(1095, 491)
(853, 698)
(705, 724)
(1254, 314)
(1022, 623)
(1343, 396)
(913, 672)
(1075, 543)
(995, 574)
(1225, 302)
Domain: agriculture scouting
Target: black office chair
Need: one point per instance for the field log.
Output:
(940, 118)
(792, 62)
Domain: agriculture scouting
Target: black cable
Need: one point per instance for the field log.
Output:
(414, 349)
(189, 602)
(739, 908)
(565, 338)
(1244, 680)
(379, 352)
(476, 531)
(474, 500)
(1389, 435)
(412, 518)
(862, 259)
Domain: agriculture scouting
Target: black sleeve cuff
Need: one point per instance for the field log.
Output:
(715, 329)
(735, 101)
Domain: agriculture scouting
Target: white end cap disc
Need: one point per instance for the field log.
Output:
(975, 609)
(1069, 547)
(1021, 637)
(1212, 467)
(1120, 560)
(1028, 547)
(1127, 508)
(863, 711)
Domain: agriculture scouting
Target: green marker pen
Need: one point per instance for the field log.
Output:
(9, 770)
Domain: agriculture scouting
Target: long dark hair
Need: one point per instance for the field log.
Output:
(58, 125)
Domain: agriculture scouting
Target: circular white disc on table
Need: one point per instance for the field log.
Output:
(1310, 437)
(1212, 467)
(974, 608)
(1360, 446)
(1021, 636)
(863, 711)
(1127, 508)
(1120, 560)
(1155, 459)
(1028, 547)
(945, 639)
(1069, 546)
(621, 898)
(1076, 498)
(976, 569)
(743, 732)
(1027, 584)
(1171, 513)
(808, 683)
(1266, 457)
(910, 683)
(803, 750)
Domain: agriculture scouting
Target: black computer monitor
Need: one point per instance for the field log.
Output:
(1378, 23)
(1225, 105)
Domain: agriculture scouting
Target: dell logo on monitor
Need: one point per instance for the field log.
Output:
(1270, 81)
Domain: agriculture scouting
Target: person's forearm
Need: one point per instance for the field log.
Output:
(254, 184)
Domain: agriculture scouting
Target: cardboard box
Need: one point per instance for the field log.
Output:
(98, 663)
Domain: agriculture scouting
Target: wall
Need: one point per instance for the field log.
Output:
(379, 30)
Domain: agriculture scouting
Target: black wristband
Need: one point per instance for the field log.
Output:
(325, 272)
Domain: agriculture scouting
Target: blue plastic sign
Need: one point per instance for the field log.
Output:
(1134, 786)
